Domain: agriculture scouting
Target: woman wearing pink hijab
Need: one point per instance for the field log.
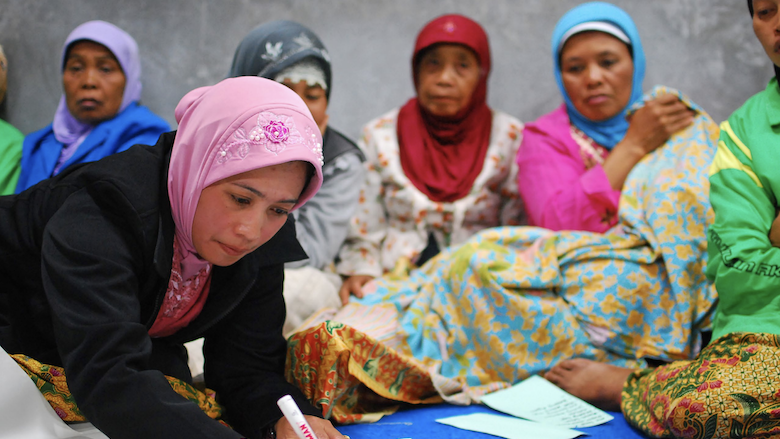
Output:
(107, 270)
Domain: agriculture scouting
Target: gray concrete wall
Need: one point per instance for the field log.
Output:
(705, 48)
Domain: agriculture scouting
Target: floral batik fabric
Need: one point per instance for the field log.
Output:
(731, 390)
(51, 382)
(362, 368)
(514, 301)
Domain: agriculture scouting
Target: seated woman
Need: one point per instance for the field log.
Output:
(573, 162)
(10, 140)
(98, 114)
(731, 388)
(303, 64)
(440, 168)
(108, 269)
(514, 301)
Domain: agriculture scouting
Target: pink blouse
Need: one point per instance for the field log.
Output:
(560, 177)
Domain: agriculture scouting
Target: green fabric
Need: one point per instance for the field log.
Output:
(744, 181)
(10, 156)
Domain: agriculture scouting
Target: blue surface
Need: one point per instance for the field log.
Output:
(420, 423)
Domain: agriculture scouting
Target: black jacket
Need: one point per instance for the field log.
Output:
(85, 259)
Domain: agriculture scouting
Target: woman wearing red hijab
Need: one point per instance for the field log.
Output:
(440, 168)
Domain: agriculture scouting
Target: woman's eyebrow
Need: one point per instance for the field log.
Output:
(577, 57)
(262, 195)
(571, 58)
(107, 57)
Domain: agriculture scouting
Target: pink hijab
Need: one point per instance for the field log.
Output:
(236, 126)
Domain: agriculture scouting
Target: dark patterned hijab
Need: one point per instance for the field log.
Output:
(273, 47)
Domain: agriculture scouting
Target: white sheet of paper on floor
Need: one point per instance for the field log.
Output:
(508, 427)
(25, 414)
(542, 401)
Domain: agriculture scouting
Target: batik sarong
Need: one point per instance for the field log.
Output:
(731, 390)
(52, 383)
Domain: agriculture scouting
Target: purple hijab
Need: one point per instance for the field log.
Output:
(67, 129)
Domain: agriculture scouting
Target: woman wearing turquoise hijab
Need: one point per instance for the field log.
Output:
(574, 161)
(730, 390)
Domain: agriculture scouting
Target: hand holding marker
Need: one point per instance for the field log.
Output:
(294, 416)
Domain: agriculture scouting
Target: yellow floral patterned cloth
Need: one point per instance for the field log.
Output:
(730, 391)
(513, 301)
(52, 383)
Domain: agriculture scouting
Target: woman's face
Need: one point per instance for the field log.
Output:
(315, 98)
(597, 72)
(447, 75)
(237, 215)
(766, 25)
(93, 82)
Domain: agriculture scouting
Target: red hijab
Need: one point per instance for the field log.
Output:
(443, 157)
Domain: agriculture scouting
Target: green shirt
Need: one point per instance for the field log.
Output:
(744, 178)
(10, 156)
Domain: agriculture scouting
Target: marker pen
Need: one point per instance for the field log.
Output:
(294, 416)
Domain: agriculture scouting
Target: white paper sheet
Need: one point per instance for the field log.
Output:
(540, 400)
(25, 414)
(508, 427)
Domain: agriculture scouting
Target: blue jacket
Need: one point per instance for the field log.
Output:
(41, 150)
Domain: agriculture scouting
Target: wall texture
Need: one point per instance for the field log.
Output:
(704, 48)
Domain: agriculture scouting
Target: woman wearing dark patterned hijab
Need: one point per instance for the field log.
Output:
(293, 55)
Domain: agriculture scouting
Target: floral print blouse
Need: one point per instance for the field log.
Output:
(394, 219)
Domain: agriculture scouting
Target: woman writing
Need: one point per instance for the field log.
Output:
(109, 268)
(573, 162)
(98, 114)
(440, 168)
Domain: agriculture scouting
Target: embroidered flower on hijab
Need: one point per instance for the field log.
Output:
(304, 41)
(272, 51)
(449, 27)
(273, 131)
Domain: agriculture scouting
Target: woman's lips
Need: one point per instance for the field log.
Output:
(597, 100)
(444, 98)
(88, 103)
(232, 251)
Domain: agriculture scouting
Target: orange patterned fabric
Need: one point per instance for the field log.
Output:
(353, 377)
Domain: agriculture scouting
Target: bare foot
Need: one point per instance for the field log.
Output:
(599, 384)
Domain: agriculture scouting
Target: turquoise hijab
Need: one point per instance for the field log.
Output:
(606, 133)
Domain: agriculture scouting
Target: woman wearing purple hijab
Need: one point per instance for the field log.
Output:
(98, 114)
